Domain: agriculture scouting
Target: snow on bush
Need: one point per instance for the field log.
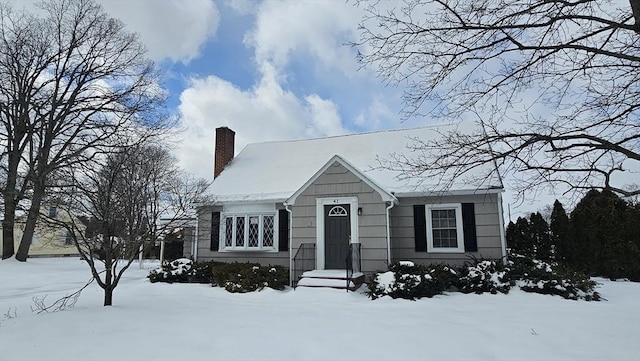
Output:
(175, 271)
(182, 270)
(536, 276)
(407, 280)
(234, 277)
(248, 277)
(484, 276)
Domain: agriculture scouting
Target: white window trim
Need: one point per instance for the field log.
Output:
(459, 229)
(353, 213)
(246, 248)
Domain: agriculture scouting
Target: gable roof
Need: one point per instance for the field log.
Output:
(386, 196)
(274, 171)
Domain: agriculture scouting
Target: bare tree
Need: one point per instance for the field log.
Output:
(554, 84)
(71, 78)
(116, 203)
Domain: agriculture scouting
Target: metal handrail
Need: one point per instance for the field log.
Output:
(304, 260)
(353, 262)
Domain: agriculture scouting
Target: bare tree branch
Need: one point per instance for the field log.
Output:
(555, 86)
(71, 79)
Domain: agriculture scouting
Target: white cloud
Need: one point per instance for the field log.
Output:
(325, 118)
(171, 29)
(265, 112)
(318, 29)
(377, 114)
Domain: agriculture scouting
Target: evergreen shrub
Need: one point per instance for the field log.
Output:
(537, 276)
(409, 281)
(249, 277)
(484, 276)
(175, 271)
(183, 270)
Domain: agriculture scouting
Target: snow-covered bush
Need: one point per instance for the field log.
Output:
(536, 276)
(183, 270)
(484, 276)
(249, 277)
(201, 272)
(407, 280)
(175, 271)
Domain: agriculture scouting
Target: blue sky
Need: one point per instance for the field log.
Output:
(270, 70)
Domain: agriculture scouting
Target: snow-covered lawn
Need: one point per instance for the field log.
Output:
(198, 322)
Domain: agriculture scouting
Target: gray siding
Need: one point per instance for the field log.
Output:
(338, 181)
(487, 229)
(206, 254)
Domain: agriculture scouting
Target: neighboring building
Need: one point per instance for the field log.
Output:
(322, 203)
(47, 241)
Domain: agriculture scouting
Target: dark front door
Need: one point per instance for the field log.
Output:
(337, 229)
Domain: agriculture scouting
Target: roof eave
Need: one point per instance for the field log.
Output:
(450, 192)
(241, 201)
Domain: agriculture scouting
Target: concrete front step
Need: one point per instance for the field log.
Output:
(330, 279)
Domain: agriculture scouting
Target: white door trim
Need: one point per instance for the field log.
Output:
(353, 211)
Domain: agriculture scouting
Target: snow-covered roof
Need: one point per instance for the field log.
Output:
(274, 171)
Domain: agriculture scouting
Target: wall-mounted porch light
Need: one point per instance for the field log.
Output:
(359, 211)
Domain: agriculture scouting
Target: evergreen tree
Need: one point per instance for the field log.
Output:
(540, 238)
(561, 234)
(511, 236)
(607, 236)
(519, 237)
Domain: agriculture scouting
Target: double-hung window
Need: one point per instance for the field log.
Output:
(249, 231)
(444, 228)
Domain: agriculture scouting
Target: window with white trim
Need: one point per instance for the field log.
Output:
(249, 232)
(444, 228)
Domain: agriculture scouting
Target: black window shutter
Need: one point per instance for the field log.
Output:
(283, 230)
(469, 227)
(215, 231)
(420, 227)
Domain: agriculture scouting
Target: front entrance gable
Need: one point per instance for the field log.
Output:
(336, 160)
(337, 207)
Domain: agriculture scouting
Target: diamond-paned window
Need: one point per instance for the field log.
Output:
(228, 232)
(252, 231)
(267, 238)
(239, 231)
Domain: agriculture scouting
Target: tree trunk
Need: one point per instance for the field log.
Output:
(108, 296)
(8, 222)
(7, 236)
(635, 9)
(30, 225)
(10, 201)
(108, 282)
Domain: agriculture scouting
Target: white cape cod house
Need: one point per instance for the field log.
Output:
(325, 204)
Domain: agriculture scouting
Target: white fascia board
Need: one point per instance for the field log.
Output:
(242, 201)
(453, 192)
(386, 196)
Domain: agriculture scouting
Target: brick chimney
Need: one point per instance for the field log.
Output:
(225, 139)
